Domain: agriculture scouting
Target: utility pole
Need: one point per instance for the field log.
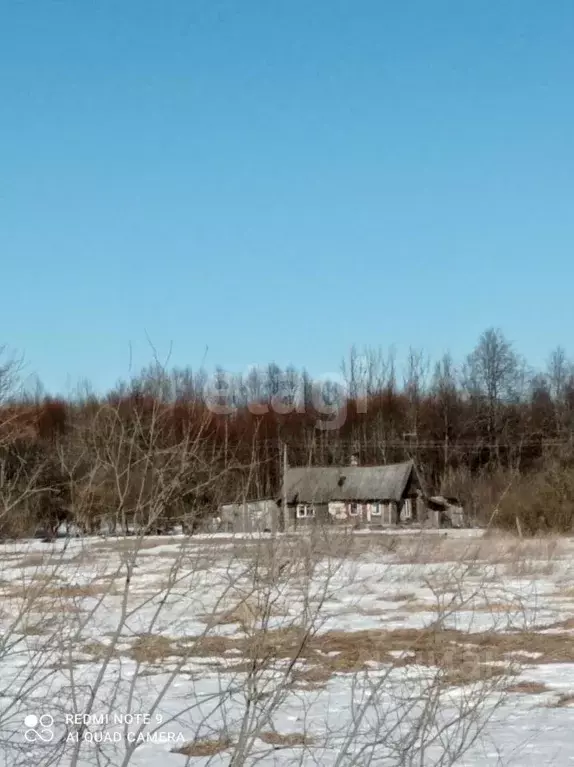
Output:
(284, 509)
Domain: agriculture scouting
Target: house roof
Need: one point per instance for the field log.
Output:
(347, 483)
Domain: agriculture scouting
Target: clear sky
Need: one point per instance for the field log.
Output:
(276, 180)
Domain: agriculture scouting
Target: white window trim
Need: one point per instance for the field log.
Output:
(305, 511)
(354, 512)
(377, 509)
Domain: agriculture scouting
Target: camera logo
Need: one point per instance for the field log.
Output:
(39, 728)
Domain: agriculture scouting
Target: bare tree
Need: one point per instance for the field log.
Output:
(445, 391)
(10, 371)
(492, 378)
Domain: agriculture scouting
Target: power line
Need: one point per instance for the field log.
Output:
(406, 445)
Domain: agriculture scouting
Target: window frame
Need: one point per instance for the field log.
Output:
(305, 511)
(354, 509)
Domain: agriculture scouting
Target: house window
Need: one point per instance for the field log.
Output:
(376, 510)
(305, 510)
(353, 509)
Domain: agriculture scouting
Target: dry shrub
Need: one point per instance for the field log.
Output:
(542, 501)
(481, 490)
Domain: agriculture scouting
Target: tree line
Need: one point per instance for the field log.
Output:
(168, 446)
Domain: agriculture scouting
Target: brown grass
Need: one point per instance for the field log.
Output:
(406, 596)
(528, 568)
(447, 649)
(49, 587)
(495, 607)
(288, 740)
(564, 701)
(315, 675)
(536, 555)
(459, 657)
(204, 747)
(247, 613)
(33, 560)
(134, 543)
(38, 627)
(151, 648)
(97, 649)
(528, 688)
(417, 606)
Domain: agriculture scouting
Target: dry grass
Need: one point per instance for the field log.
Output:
(418, 606)
(349, 651)
(39, 627)
(80, 592)
(51, 589)
(521, 555)
(204, 747)
(406, 596)
(528, 688)
(314, 675)
(98, 650)
(288, 740)
(247, 613)
(151, 648)
(529, 568)
(33, 560)
(496, 607)
(134, 543)
(564, 701)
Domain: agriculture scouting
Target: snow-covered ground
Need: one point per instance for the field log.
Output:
(368, 649)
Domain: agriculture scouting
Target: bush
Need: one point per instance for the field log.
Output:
(542, 502)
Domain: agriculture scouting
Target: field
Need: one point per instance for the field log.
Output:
(364, 649)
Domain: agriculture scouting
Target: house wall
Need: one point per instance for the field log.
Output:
(249, 517)
(340, 513)
(321, 516)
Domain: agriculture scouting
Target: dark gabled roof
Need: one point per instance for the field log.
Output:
(347, 483)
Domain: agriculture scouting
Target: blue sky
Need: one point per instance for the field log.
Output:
(272, 180)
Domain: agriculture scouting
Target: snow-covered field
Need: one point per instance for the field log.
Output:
(350, 649)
